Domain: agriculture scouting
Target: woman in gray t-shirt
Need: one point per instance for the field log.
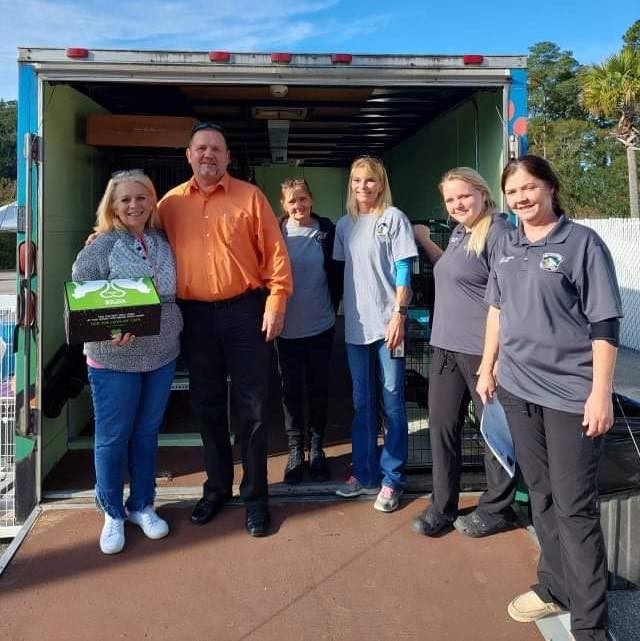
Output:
(305, 343)
(376, 243)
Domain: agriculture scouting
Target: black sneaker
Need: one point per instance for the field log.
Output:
(475, 526)
(295, 466)
(318, 468)
(431, 523)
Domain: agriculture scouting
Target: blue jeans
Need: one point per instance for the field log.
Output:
(128, 409)
(368, 463)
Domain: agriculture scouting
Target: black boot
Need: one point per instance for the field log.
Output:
(295, 465)
(318, 468)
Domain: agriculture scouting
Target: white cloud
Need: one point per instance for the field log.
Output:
(235, 25)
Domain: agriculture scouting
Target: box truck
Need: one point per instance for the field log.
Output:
(85, 113)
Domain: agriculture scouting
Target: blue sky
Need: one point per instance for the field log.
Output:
(377, 26)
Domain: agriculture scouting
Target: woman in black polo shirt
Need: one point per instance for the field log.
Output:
(553, 326)
(460, 313)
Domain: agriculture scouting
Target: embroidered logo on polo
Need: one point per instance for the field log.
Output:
(382, 229)
(505, 259)
(550, 261)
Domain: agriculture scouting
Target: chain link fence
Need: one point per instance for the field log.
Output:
(622, 237)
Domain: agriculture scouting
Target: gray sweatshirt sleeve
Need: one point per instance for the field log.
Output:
(92, 262)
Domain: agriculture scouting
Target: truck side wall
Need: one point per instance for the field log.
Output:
(328, 184)
(417, 164)
(71, 194)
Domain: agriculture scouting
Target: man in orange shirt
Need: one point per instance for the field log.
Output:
(233, 279)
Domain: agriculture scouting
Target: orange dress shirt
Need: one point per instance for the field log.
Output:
(225, 242)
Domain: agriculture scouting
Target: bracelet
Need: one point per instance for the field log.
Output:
(403, 310)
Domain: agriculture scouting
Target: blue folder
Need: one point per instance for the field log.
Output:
(495, 430)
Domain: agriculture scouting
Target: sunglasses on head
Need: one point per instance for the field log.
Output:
(294, 182)
(203, 126)
(128, 173)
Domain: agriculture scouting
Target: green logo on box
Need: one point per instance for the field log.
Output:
(103, 294)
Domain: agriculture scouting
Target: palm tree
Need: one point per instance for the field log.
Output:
(612, 89)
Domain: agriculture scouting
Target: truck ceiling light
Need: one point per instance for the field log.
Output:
(341, 58)
(472, 59)
(219, 56)
(278, 91)
(76, 52)
(282, 58)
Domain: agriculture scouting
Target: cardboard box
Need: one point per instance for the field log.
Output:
(139, 131)
(97, 310)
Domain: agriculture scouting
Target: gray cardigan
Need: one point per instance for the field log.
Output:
(118, 254)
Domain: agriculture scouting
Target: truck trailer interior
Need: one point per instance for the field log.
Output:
(274, 131)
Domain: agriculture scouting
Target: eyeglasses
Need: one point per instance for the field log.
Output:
(294, 182)
(128, 173)
(202, 126)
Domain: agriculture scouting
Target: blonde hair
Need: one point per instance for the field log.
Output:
(289, 185)
(376, 169)
(480, 227)
(106, 218)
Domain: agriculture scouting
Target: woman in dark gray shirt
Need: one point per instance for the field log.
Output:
(460, 313)
(553, 328)
(130, 376)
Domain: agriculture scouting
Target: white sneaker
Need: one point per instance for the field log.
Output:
(388, 499)
(152, 525)
(112, 536)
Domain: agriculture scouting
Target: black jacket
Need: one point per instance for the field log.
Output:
(333, 268)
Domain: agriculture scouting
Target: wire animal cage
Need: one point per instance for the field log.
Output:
(7, 422)
(418, 360)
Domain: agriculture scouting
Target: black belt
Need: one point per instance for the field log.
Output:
(226, 302)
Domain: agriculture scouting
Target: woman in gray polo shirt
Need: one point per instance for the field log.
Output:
(460, 313)
(376, 243)
(553, 328)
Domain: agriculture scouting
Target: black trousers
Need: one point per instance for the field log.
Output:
(220, 340)
(560, 466)
(452, 380)
(304, 373)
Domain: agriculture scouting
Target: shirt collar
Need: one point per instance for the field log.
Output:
(557, 235)
(223, 184)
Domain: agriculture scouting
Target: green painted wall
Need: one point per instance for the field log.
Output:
(417, 164)
(328, 184)
(70, 197)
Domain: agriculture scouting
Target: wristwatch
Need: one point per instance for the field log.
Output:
(401, 309)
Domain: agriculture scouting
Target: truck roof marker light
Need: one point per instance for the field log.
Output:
(219, 56)
(472, 59)
(282, 58)
(341, 58)
(76, 52)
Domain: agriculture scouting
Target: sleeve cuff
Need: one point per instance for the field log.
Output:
(276, 303)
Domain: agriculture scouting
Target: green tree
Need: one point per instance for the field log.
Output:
(590, 165)
(631, 37)
(8, 139)
(553, 83)
(554, 89)
(610, 90)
